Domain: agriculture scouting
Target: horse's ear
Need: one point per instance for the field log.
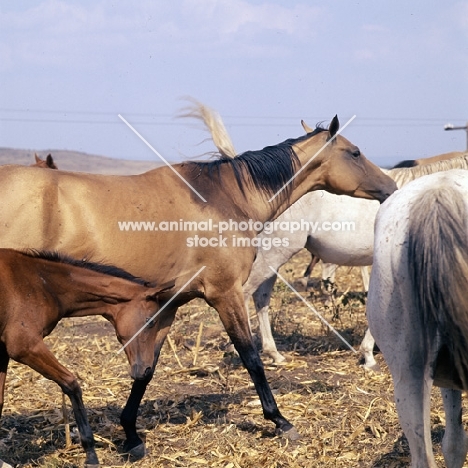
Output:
(154, 296)
(37, 158)
(306, 127)
(50, 161)
(334, 127)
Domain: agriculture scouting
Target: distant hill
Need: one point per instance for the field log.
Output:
(78, 162)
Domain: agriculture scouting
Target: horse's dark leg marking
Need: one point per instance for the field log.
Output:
(133, 445)
(233, 314)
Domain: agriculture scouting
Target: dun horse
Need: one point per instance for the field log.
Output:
(38, 289)
(83, 213)
(418, 309)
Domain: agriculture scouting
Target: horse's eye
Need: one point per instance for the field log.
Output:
(356, 153)
(151, 323)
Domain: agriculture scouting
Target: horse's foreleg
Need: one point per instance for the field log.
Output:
(454, 443)
(43, 361)
(262, 297)
(133, 445)
(231, 309)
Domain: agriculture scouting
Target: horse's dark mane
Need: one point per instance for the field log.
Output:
(405, 163)
(268, 169)
(103, 268)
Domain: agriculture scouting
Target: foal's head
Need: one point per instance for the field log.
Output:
(136, 327)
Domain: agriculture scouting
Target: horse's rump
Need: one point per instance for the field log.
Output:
(438, 266)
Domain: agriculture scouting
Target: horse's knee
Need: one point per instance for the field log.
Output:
(71, 387)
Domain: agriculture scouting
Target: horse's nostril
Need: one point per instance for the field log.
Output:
(139, 373)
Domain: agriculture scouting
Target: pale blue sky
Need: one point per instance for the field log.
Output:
(67, 68)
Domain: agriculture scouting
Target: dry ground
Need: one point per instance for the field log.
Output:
(201, 410)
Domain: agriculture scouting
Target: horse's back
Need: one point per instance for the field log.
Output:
(60, 210)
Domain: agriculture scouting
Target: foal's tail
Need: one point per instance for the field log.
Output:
(438, 262)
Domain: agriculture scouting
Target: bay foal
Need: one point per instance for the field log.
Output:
(38, 289)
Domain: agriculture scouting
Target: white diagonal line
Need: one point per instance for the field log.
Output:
(312, 158)
(160, 157)
(161, 309)
(312, 308)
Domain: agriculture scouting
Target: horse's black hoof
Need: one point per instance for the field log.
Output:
(136, 453)
(290, 434)
(92, 461)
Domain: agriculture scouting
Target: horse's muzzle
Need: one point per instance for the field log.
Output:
(138, 372)
(390, 189)
(382, 195)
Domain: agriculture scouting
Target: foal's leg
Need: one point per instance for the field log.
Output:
(262, 297)
(4, 359)
(231, 308)
(43, 361)
(133, 445)
(454, 443)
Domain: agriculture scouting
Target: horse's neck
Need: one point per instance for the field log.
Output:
(263, 207)
(228, 198)
(88, 293)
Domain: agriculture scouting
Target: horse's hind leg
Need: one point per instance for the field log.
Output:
(43, 361)
(367, 350)
(231, 308)
(133, 445)
(454, 443)
(413, 401)
(261, 298)
(4, 359)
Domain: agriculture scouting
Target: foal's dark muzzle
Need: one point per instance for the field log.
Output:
(138, 372)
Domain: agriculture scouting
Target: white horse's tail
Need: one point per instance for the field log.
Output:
(438, 262)
(214, 124)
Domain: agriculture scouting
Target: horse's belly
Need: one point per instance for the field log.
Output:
(344, 251)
